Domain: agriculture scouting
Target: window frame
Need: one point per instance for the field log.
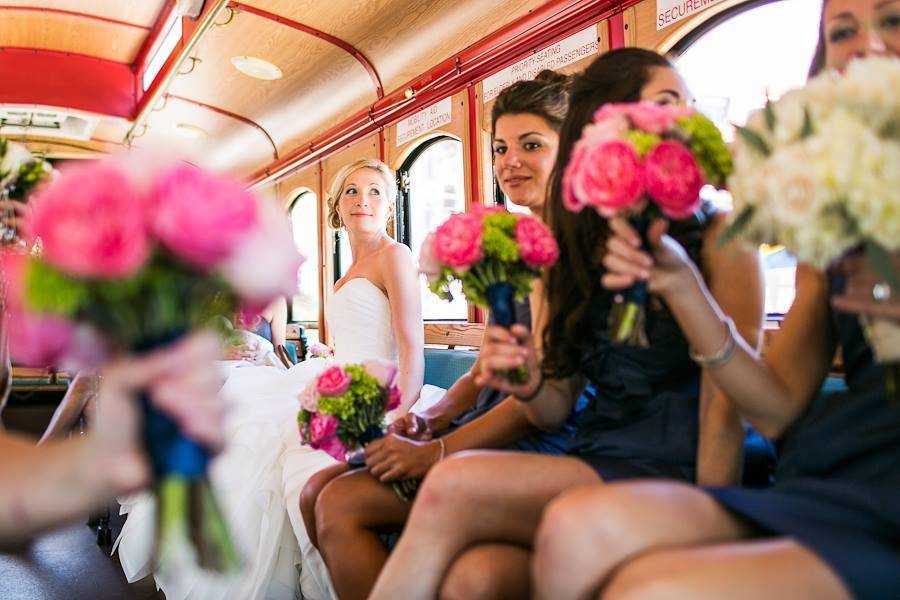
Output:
(296, 196)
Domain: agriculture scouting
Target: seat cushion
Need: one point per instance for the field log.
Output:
(444, 367)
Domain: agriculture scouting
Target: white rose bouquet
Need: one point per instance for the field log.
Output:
(819, 172)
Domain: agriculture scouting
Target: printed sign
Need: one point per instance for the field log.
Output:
(565, 52)
(436, 115)
(672, 11)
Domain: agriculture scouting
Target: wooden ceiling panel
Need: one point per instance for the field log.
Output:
(230, 145)
(138, 12)
(404, 44)
(320, 83)
(50, 31)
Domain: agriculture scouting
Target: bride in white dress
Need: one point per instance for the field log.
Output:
(374, 312)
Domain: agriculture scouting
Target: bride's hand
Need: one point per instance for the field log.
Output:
(866, 292)
(412, 426)
(394, 457)
(666, 267)
(504, 350)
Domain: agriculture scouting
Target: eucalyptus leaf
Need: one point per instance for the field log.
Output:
(737, 226)
(754, 140)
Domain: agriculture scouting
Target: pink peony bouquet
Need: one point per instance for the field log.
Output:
(343, 409)
(641, 161)
(320, 350)
(495, 254)
(132, 258)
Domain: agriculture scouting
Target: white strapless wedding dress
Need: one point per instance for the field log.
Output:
(259, 475)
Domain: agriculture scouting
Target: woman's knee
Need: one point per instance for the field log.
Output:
(488, 572)
(309, 495)
(450, 480)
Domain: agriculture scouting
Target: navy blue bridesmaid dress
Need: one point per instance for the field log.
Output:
(837, 489)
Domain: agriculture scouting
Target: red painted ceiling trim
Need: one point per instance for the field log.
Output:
(140, 59)
(80, 82)
(350, 49)
(616, 25)
(78, 15)
(231, 115)
(543, 26)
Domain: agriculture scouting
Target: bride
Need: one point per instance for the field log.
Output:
(374, 313)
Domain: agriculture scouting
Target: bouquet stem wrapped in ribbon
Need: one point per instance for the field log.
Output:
(819, 172)
(343, 409)
(132, 259)
(642, 161)
(495, 254)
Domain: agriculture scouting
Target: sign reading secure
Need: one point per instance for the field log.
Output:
(672, 11)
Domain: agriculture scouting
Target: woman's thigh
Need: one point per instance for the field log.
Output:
(751, 569)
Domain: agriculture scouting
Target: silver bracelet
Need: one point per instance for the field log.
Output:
(443, 449)
(723, 355)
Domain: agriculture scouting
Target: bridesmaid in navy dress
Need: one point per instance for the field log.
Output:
(654, 414)
(830, 526)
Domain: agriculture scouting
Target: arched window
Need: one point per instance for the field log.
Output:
(432, 187)
(303, 211)
(731, 65)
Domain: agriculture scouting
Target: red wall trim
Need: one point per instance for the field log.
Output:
(231, 115)
(359, 56)
(616, 26)
(474, 147)
(382, 152)
(541, 27)
(76, 14)
(81, 82)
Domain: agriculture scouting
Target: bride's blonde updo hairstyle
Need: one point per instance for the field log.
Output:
(337, 186)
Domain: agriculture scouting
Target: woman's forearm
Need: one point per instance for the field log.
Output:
(552, 405)
(410, 377)
(758, 392)
(459, 398)
(45, 486)
(501, 426)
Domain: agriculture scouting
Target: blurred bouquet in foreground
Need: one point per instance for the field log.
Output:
(134, 256)
(641, 161)
(819, 171)
(495, 254)
(343, 409)
(20, 173)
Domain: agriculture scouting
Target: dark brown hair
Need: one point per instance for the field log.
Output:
(818, 61)
(617, 76)
(547, 96)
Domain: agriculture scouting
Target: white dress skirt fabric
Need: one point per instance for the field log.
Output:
(259, 475)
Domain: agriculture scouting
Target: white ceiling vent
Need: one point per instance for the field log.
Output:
(46, 123)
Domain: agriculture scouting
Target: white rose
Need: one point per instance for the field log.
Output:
(797, 193)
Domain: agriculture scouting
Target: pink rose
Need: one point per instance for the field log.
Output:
(334, 447)
(537, 246)
(608, 177)
(320, 350)
(265, 263)
(457, 242)
(333, 381)
(646, 116)
(428, 262)
(570, 201)
(309, 398)
(394, 398)
(38, 340)
(92, 222)
(384, 372)
(201, 217)
(673, 179)
(322, 427)
(613, 127)
(35, 340)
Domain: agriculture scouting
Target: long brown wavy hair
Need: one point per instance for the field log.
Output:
(617, 76)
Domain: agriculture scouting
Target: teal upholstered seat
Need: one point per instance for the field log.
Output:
(443, 367)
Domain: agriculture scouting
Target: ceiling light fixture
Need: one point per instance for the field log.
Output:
(256, 67)
(190, 131)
